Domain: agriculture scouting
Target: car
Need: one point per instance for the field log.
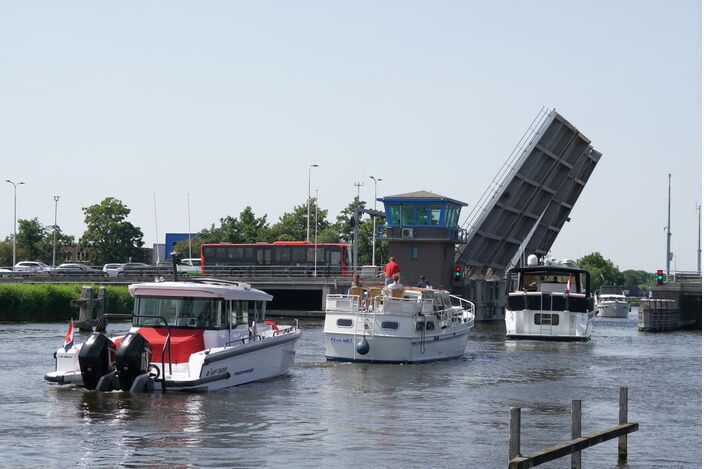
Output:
(77, 269)
(6, 272)
(34, 267)
(189, 265)
(111, 269)
(133, 268)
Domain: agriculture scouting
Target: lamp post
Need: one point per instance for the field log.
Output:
(376, 180)
(56, 209)
(308, 204)
(315, 249)
(14, 230)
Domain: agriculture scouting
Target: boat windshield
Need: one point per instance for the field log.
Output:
(201, 313)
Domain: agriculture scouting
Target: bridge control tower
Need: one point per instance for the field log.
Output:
(422, 232)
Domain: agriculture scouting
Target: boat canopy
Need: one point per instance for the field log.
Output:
(200, 289)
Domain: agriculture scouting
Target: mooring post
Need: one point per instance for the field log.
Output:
(514, 436)
(622, 418)
(576, 462)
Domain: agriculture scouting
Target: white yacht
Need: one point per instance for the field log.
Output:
(409, 325)
(199, 335)
(611, 302)
(549, 302)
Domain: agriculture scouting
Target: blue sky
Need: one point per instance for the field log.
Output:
(232, 101)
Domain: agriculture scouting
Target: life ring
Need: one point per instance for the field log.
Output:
(273, 325)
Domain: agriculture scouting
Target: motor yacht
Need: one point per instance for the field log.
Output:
(549, 302)
(405, 325)
(197, 335)
(611, 302)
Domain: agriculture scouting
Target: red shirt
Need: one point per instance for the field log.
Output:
(390, 269)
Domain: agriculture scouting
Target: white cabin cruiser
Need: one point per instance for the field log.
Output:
(410, 325)
(199, 335)
(611, 302)
(549, 302)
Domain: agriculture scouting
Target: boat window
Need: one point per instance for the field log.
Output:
(429, 326)
(240, 312)
(179, 312)
(546, 319)
(344, 322)
(389, 325)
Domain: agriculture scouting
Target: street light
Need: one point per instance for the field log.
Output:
(56, 208)
(308, 203)
(14, 230)
(374, 221)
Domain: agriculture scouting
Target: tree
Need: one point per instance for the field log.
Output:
(602, 271)
(636, 281)
(30, 234)
(108, 237)
(292, 226)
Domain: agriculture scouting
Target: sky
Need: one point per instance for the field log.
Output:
(228, 103)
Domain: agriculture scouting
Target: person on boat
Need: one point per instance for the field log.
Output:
(390, 269)
(356, 282)
(423, 283)
(395, 285)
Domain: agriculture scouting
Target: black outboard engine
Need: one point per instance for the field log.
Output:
(132, 359)
(96, 359)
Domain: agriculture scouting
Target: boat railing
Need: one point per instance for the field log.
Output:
(252, 337)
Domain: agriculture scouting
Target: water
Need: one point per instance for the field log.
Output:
(324, 414)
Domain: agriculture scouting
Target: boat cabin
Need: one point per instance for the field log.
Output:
(549, 288)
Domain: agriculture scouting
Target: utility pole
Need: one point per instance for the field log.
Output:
(669, 234)
(699, 240)
(376, 180)
(358, 185)
(56, 209)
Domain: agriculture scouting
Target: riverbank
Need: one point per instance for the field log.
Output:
(52, 302)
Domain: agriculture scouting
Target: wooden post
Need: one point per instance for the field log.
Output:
(514, 436)
(622, 418)
(576, 461)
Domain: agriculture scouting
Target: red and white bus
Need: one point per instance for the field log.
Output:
(281, 258)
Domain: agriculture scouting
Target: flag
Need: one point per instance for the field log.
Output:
(569, 284)
(68, 341)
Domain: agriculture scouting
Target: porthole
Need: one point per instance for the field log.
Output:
(389, 325)
(344, 323)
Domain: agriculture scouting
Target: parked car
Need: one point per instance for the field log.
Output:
(77, 269)
(6, 272)
(32, 267)
(111, 269)
(189, 265)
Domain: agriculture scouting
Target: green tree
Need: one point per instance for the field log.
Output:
(637, 280)
(30, 235)
(108, 236)
(602, 271)
(292, 226)
(6, 252)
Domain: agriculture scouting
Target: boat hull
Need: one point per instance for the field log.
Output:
(400, 346)
(549, 325)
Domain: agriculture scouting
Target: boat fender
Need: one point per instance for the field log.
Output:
(273, 325)
(362, 346)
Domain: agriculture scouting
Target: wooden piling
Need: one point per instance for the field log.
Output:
(622, 419)
(514, 437)
(576, 459)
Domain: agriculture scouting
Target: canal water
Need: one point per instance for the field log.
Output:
(331, 414)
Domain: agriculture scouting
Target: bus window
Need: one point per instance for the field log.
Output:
(298, 255)
(263, 256)
(282, 255)
(335, 258)
(249, 254)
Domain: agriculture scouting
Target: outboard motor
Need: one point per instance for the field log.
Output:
(96, 359)
(132, 359)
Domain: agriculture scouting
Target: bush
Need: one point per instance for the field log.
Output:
(50, 303)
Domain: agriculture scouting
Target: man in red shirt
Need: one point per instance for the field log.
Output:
(389, 270)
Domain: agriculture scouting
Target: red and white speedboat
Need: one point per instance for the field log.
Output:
(198, 335)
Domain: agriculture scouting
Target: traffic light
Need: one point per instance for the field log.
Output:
(458, 272)
(660, 277)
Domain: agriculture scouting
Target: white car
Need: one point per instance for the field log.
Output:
(112, 269)
(32, 266)
(189, 265)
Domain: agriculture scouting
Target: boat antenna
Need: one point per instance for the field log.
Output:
(156, 229)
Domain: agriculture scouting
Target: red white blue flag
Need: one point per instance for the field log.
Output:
(68, 341)
(569, 284)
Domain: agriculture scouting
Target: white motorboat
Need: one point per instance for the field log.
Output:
(409, 325)
(549, 302)
(199, 335)
(611, 302)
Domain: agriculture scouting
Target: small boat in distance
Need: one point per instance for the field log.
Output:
(198, 335)
(409, 325)
(611, 302)
(549, 302)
